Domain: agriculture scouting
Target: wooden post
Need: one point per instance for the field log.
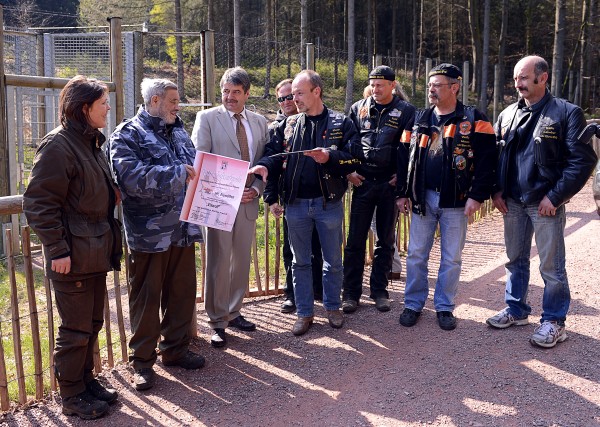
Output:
(4, 169)
(255, 261)
(120, 320)
(428, 65)
(107, 329)
(465, 84)
(116, 66)
(498, 85)
(310, 56)
(207, 60)
(267, 276)
(33, 313)
(277, 252)
(41, 111)
(97, 360)
(50, 314)
(4, 402)
(138, 55)
(16, 318)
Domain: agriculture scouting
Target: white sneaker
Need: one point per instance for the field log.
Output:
(503, 319)
(548, 334)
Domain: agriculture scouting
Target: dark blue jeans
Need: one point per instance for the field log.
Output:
(365, 199)
(317, 265)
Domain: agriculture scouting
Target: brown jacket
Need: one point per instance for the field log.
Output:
(70, 201)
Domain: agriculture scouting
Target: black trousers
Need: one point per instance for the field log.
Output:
(161, 283)
(317, 265)
(80, 305)
(365, 198)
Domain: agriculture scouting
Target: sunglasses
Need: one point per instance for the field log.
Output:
(284, 98)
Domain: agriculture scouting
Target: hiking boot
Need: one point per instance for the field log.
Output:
(189, 361)
(349, 306)
(409, 317)
(288, 306)
(336, 319)
(446, 320)
(302, 325)
(143, 379)
(503, 319)
(382, 304)
(84, 405)
(548, 334)
(108, 395)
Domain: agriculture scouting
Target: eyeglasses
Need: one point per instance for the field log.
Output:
(438, 85)
(284, 98)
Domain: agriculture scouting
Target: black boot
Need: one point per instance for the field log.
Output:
(100, 392)
(84, 405)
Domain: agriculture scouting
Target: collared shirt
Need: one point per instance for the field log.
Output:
(248, 131)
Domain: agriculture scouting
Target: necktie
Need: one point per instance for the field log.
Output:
(240, 132)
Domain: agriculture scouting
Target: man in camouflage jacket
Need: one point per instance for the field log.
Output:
(150, 156)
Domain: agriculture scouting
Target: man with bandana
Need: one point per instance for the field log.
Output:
(383, 120)
(451, 161)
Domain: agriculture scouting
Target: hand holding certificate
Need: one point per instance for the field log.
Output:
(214, 194)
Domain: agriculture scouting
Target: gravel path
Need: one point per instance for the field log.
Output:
(374, 372)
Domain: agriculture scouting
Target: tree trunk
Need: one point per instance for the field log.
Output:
(476, 44)
(485, 57)
(303, 28)
(237, 39)
(394, 30)
(351, 49)
(503, 31)
(414, 50)
(421, 29)
(584, 62)
(559, 47)
(268, 38)
(210, 14)
(179, 51)
(369, 34)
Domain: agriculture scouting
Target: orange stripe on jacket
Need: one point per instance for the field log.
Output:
(449, 131)
(482, 126)
(423, 142)
(405, 137)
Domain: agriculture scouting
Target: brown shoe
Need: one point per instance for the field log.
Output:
(302, 324)
(336, 319)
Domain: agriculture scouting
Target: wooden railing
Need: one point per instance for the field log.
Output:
(30, 361)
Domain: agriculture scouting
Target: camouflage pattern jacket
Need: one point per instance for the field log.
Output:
(148, 162)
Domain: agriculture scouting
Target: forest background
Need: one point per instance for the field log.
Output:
(484, 32)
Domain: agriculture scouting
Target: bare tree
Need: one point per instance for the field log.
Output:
(414, 50)
(559, 47)
(269, 39)
(179, 51)
(476, 43)
(237, 39)
(351, 49)
(485, 56)
(303, 29)
(370, 34)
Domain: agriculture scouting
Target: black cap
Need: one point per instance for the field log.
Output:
(448, 70)
(382, 72)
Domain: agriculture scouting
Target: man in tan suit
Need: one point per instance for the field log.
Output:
(231, 130)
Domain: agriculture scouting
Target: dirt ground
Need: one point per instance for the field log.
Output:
(374, 372)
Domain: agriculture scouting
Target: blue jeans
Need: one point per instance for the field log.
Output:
(520, 224)
(453, 229)
(302, 216)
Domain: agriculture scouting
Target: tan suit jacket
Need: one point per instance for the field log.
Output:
(228, 253)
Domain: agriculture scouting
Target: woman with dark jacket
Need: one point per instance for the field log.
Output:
(70, 203)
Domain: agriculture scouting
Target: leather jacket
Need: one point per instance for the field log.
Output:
(555, 163)
(339, 133)
(468, 161)
(380, 135)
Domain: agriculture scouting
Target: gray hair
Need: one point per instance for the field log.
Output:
(236, 76)
(158, 87)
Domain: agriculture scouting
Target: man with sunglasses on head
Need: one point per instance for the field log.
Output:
(272, 195)
(448, 173)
